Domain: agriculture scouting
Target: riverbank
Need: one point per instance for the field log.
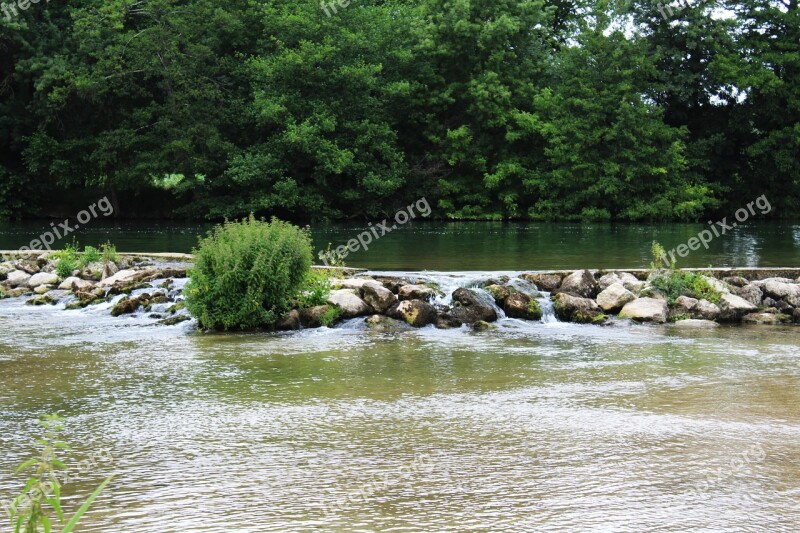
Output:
(152, 286)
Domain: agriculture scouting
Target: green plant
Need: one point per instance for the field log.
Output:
(330, 316)
(676, 283)
(247, 273)
(28, 511)
(109, 253)
(90, 255)
(660, 257)
(67, 260)
(315, 290)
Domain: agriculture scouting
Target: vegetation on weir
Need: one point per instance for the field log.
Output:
(529, 109)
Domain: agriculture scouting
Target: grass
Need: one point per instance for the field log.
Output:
(330, 316)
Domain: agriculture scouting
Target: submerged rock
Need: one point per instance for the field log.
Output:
(482, 326)
(614, 297)
(765, 318)
(127, 306)
(44, 299)
(498, 292)
(519, 305)
(447, 321)
(696, 323)
(580, 283)
(415, 313)
(171, 321)
(570, 308)
(469, 308)
(646, 310)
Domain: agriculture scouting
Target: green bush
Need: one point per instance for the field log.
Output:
(67, 260)
(315, 290)
(247, 273)
(675, 283)
(90, 255)
(109, 253)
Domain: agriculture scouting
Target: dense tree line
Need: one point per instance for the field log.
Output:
(513, 109)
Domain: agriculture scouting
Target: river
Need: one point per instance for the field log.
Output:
(529, 427)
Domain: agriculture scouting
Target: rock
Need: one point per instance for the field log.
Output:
(646, 310)
(784, 307)
(415, 313)
(66, 285)
(734, 307)
(614, 297)
(482, 326)
(684, 305)
(128, 306)
(468, 307)
(355, 283)
(716, 284)
(570, 308)
(18, 278)
(519, 305)
(498, 292)
(580, 283)
(416, 292)
(769, 302)
(447, 321)
(350, 304)
(123, 276)
(735, 281)
(751, 293)
(696, 323)
(628, 281)
(383, 323)
(41, 289)
(779, 290)
(44, 299)
(608, 280)
(176, 307)
(109, 269)
(171, 321)
(313, 317)
(796, 316)
(16, 293)
(544, 282)
(706, 310)
(42, 278)
(378, 297)
(290, 322)
(765, 318)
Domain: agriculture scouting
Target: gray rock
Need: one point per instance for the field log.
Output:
(646, 310)
(751, 293)
(41, 289)
(520, 305)
(614, 297)
(66, 285)
(42, 278)
(381, 322)
(696, 323)
(18, 278)
(581, 284)
(415, 313)
(608, 280)
(706, 310)
(544, 282)
(468, 307)
(356, 283)
(350, 304)
(734, 307)
(416, 292)
(684, 305)
(290, 322)
(779, 290)
(109, 269)
(123, 276)
(736, 281)
(570, 308)
(378, 297)
(765, 318)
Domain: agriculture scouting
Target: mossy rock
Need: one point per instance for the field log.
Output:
(44, 299)
(173, 320)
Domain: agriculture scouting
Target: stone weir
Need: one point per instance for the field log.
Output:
(151, 286)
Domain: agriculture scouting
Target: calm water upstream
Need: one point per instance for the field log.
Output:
(479, 245)
(530, 427)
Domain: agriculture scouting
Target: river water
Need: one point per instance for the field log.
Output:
(528, 427)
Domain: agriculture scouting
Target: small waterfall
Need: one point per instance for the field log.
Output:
(486, 298)
(548, 311)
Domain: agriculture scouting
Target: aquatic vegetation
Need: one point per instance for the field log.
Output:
(32, 511)
(246, 274)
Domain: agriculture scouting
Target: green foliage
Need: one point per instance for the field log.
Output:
(315, 290)
(67, 260)
(246, 273)
(675, 283)
(109, 253)
(32, 511)
(90, 255)
(330, 316)
(660, 259)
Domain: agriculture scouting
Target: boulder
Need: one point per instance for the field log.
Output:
(18, 278)
(733, 308)
(378, 297)
(796, 316)
(469, 307)
(646, 310)
(447, 321)
(735, 281)
(109, 269)
(520, 305)
(544, 282)
(779, 290)
(628, 281)
(498, 292)
(608, 280)
(290, 322)
(581, 284)
(751, 293)
(416, 292)
(381, 322)
(614, 297)
(355, 283)
(570, 308)
(765, 318)
(684, 305)
(696, 323)
(706, 310)
(41, 289)
(123, 276)
(42, 278)
(416, 313)
(312, 317)
(350, 304)
(44, 299)
(127, 306)
(66, 285)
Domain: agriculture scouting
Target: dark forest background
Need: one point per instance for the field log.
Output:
(524, 109)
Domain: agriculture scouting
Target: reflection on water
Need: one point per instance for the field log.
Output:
(481, 245)
(531, 427)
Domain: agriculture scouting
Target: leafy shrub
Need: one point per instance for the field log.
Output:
(675, 283)
(330, 316)
(246, 273)
(109, 253)
(315, 290)
(67, 260)
(90, 255)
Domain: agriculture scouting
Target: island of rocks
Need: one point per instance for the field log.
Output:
(153, 287)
